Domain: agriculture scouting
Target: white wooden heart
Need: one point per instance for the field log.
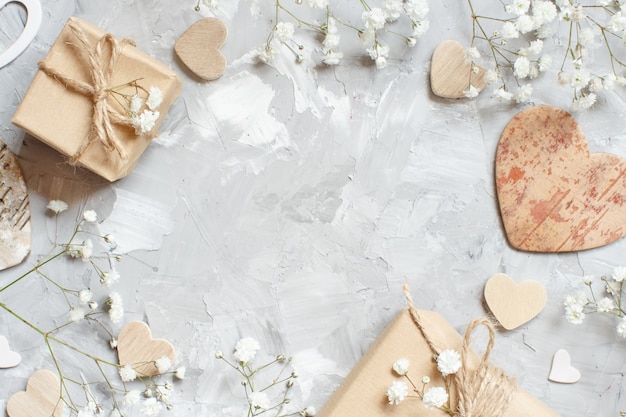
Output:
(8, 358)
(514, 304)
(41, 398)
(137, 348)
(562, 370)
(33, 22)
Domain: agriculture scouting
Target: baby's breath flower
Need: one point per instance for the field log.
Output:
(503, 95)
(619, 273)
(107, 279)
(374, 18)
(605, 305)
(435, 397)
(127, 373)
(155, 98)
(76, 314)
(491, 76)
(509, 31)
(448, 362)
(574, 314)
(416, 10)
(425, 380)
(317, 4)
(163, 364)
(397, 392)
(151, 407)
(411, 41)
(393, 9)
(473, 53)
(259, 400)
(580, 78)
(521, 67)
(179, 373)
(284, 31)
(57, 206)
(93, 305)
(471, 92)
(523, 93)
(136, 103)
(246, 349)
(524, 24)
(132, 397)
(583, 102)
(401, 366)
(587, 279)
(544, 63)
(90, 216)
(144, 122)
(116, 307)
(310, 411)
(621, 327)
(84, 296)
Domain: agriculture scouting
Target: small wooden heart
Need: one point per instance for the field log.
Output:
(41, 398)
(562, 370)
(514, 304)
(199, 48)
(137, 348)
(15, 234)
(554, 195)
(8, 358)
(451, 73)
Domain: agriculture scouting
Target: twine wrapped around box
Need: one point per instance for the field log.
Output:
(69, 106)
(480, 389)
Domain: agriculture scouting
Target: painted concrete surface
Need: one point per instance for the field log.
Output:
(291, 202)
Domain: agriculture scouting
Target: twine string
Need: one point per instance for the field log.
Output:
(485, 392)
(98, 91)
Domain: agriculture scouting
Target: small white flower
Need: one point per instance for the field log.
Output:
(310, 411)
(318, 4)
(416, 10)
(381, 62)
(473, 53)
(471, 92)
(84, 297)
(57, 206)
(435, 397)
(523, 93)
(543, 12)
(605, 305)
(266, 54)
(393, 9)
(116, 307)
(621, 327)
(503, 95)
(411, 41)
(535, 47)
(574, 314)
(109, 278)
(113, 343)
(491, 76)
(509, 31)
(284, 31)
(521, 67)
(579, 78)
(587, 279)
(151, 407)
(259, 400)
(163, 364)
(179, 373)
(136, 103)
(93, 305)
(525, 24)
(619, 273)
(76, 314)
(583, 102)
(155, 98)
(132, 397)
(586, 37)
(127, 373)
(374, 18)
(397, 392)
(246, 349)
(544, 63)
(420, 28)
(425, 380)
(144, 122)
(609, 81)
(519, 7)
(448, 362)
(90, 216)
(401, 366)
(332, 57)
(617, 22)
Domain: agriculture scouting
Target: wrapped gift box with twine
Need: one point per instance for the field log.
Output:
(478, 389)
(80, 102)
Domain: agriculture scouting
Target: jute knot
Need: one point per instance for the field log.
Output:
(97, 90)
(484, 392)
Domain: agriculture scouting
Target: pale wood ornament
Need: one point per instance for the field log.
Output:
(198, 48)
(562, 370)
(15, 233)
(8, 358)
(451, 73)
(514, 304)
(137, 348)
(41, 398)
(554, 195)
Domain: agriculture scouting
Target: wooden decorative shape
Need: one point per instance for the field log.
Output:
(562, 370)
(15, 233)
(137, 348)
(199, 48)
(8, 358)
(554, 195)
(451, 72)
(41, 398)
(514, 304)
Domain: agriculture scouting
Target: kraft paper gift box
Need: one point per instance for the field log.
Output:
(364, 392)
(65, 117)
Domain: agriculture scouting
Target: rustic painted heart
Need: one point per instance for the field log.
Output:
(137, 348)
(514, 304)
(451, 73)
(41, 397)
(554, 195)
(198, 48)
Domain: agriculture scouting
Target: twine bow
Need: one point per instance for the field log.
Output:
(100, 71)
(485, 392)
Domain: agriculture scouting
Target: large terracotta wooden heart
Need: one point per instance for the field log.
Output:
(199, 48)
(41, 398)
(137, 348)
(451, 73)
(514, 304)
(15, 233)
(554, 195)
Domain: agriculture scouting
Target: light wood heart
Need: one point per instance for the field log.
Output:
(562, 370)
(451, 73)
(554, 195)
(15, 233)
(514, 304)
(137, 348)
(199, 48)
(8, 358)
(41, 398)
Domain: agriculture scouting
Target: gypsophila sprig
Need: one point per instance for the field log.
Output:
(379, 20)
(140, 105)
(525, 38)
(607, 301)
(264, 393)
(95, 309)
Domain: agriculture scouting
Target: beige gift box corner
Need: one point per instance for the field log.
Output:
(61, 118)
(363, 392)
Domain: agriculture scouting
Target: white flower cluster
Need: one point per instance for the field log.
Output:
(144, 121)
(374, 22)
(448, 363)
(579, 304)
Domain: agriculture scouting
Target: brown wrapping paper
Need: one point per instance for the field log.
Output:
(363, 392)
(61, 117)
